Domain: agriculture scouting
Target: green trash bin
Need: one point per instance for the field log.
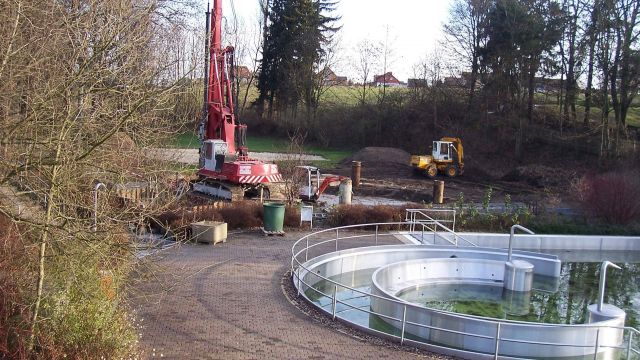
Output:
(273, 216)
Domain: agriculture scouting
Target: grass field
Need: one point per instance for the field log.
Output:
(189, 140)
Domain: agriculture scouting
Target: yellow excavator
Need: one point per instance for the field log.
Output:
(447, 157)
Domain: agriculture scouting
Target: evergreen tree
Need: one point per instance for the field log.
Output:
(296, 34)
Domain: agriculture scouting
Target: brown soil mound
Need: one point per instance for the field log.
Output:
(379, 156)
(381, 162)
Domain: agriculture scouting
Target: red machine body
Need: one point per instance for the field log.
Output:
(221, 158)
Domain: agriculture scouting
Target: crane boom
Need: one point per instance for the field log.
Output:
(226, 170)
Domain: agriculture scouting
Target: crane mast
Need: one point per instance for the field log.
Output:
(220, 118)
(226, 171)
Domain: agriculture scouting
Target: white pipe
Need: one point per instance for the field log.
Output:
(603, 279)
(95, 205)
(513, 230)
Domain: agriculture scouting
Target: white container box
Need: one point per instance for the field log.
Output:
(211, 232)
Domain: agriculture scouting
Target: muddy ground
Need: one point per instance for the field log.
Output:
(386, 173)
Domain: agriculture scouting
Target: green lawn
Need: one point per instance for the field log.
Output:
(189, 140)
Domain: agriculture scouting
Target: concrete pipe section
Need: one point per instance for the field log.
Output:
(327, 281)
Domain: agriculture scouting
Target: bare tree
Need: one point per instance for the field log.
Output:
(83, 87)
(463, 32)
(366, 61)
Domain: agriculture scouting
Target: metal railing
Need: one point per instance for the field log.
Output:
(420, 216)
(629, 349)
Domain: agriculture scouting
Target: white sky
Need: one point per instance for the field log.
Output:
(415, 27)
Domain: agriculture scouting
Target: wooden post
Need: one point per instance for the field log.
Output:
(438, 191)
(356, 166)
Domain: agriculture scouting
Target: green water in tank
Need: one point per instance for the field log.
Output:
(561, 302)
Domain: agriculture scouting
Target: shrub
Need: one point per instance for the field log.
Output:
(292, 217)
(612, 197)
(344, 215)
(242, 215)
(14, 315)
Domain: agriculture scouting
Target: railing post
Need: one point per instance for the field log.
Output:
(299, 283)
(335, 302)
(595, 354)
(306, 251)
(404, 322)
(376, 235)
(337, 236)
(629, 345)
(496, 349)
(435, 228)
(454, 222)
(422, 234)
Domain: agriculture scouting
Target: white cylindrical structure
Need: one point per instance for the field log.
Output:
(611, 335)
(518, 275)
(344, 192)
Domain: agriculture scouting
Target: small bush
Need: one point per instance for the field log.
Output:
(292, 217)
(612, 197)
(242, 215)
(344, 215)
(14, 315)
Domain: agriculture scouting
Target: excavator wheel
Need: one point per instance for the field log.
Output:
(431, 171)
(452, 171)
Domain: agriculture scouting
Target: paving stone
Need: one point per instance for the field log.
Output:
(225, 301)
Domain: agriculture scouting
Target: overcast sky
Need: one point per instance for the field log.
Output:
(415, 27)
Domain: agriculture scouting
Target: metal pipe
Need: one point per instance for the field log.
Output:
(404, 322)
(377, 234)
(496, 349)
(629, 345)
(335, 292)
(95, 205)
(595, 353)
(603, 279)
(513, 230)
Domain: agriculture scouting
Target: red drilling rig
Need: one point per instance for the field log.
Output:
(226, 171)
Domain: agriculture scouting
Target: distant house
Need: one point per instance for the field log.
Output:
(455, 81)
(417, 83)
(330, 78)
(243, 73)
(386, 80)
(544, 85)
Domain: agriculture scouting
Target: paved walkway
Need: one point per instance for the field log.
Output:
(226, 302)
(190, 156)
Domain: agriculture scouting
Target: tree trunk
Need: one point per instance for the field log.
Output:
(531, 89)
(587, 92)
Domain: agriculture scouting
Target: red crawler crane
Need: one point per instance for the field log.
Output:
(226, 171)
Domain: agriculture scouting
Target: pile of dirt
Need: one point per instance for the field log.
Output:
(373, 156)
(540, 176)
(381, 161)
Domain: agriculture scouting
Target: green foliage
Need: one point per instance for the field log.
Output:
(83, 312)
(472, 218)
(297, 32)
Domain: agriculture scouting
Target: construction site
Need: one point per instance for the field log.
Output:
(191, 182)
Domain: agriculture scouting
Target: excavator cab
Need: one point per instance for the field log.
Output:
(443, 151)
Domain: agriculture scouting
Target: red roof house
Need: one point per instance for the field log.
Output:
(386, 80)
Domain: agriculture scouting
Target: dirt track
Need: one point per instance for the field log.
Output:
(386, 173)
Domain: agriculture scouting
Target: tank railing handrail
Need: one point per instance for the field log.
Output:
(473, 317)
(336, 301)
(413, 213)
(410, 214)
(324, 241)
(347, 227)
(296, 272)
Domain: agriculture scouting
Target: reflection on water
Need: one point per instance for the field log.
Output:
(577, 288)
